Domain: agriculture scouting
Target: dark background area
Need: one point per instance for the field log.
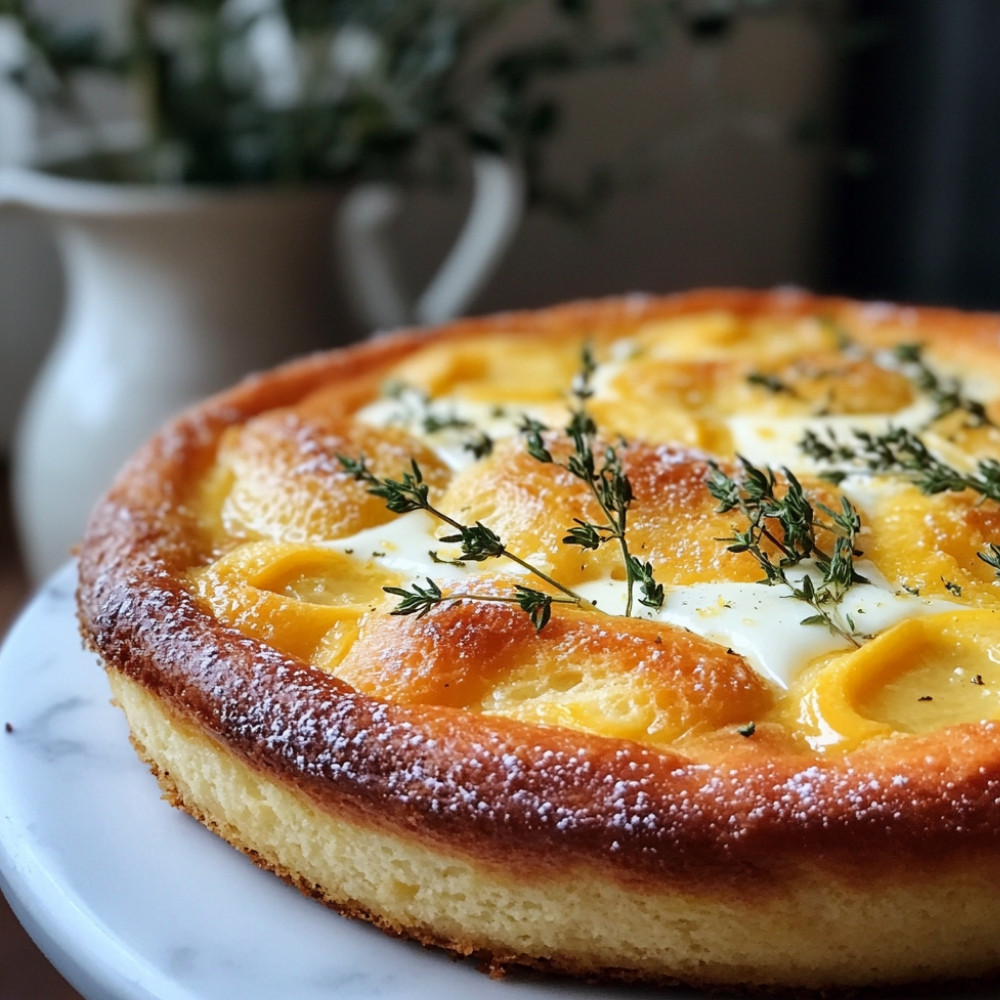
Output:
(921, 109)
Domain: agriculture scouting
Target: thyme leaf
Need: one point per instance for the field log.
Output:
(418, 600)
(783, 519)
(587, 536)
(770, 382)
(946, 393)
(536, 604)
(900, 452)
(991, 557)
(603, 473)
(401, 496)
(479, 445)
(532, 431)
(434, 422)
(642, 573)
(477, 541)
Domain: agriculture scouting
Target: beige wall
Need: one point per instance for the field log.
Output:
(30, 304)
(731, 200)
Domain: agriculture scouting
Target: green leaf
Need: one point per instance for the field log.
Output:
(587, 536)
(417, 601)
(991, 557)
(532, 431)
(537, 605)
(815, 620)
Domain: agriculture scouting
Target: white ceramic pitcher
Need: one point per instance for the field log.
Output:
(173, 293)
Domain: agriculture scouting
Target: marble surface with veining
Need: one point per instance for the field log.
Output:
(131, 899)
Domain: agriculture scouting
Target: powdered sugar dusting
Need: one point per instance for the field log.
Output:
(503, 781)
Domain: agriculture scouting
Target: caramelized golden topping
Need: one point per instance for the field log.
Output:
(287, 484)
(398, 542)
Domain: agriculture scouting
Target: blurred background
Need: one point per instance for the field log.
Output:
(719, 148)
(846, 147)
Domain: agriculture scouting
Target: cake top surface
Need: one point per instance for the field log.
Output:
(737, 543)
(779, 523)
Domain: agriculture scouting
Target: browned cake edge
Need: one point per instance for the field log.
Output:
(810, 932)
(807, 838)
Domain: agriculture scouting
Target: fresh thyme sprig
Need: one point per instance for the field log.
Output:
(419, 600)
(479, 445)
(991, 556)
(603, 473)
(898, 451)
(434, 422)
(601, 470)
(477, 542)
(946, 393)
(789, 523)
(770, 382)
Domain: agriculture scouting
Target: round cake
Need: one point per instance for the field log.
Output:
(648, 639)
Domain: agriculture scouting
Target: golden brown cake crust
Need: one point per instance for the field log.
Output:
(524, 799)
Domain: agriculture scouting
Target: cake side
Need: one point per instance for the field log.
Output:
(556, 918)
(537, 763)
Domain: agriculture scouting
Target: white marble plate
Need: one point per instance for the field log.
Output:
(132, 899)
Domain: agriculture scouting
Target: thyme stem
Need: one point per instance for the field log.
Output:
(756, 498)
(607, 483)
(419, 601)
(478, 542)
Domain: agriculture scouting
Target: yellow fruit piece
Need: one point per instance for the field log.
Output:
(595, 695)
(624, 677)
(727, 335)
(930, 543)
(704, 335)
(287, 482)
(828, 383)
(497, 370)
(705, 391)
(922, 675)
(666, 401)
(291, 596)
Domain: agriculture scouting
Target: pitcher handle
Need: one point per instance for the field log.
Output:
(369, 262)
(18, 119)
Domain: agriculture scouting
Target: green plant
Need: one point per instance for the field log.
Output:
(300, 91)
